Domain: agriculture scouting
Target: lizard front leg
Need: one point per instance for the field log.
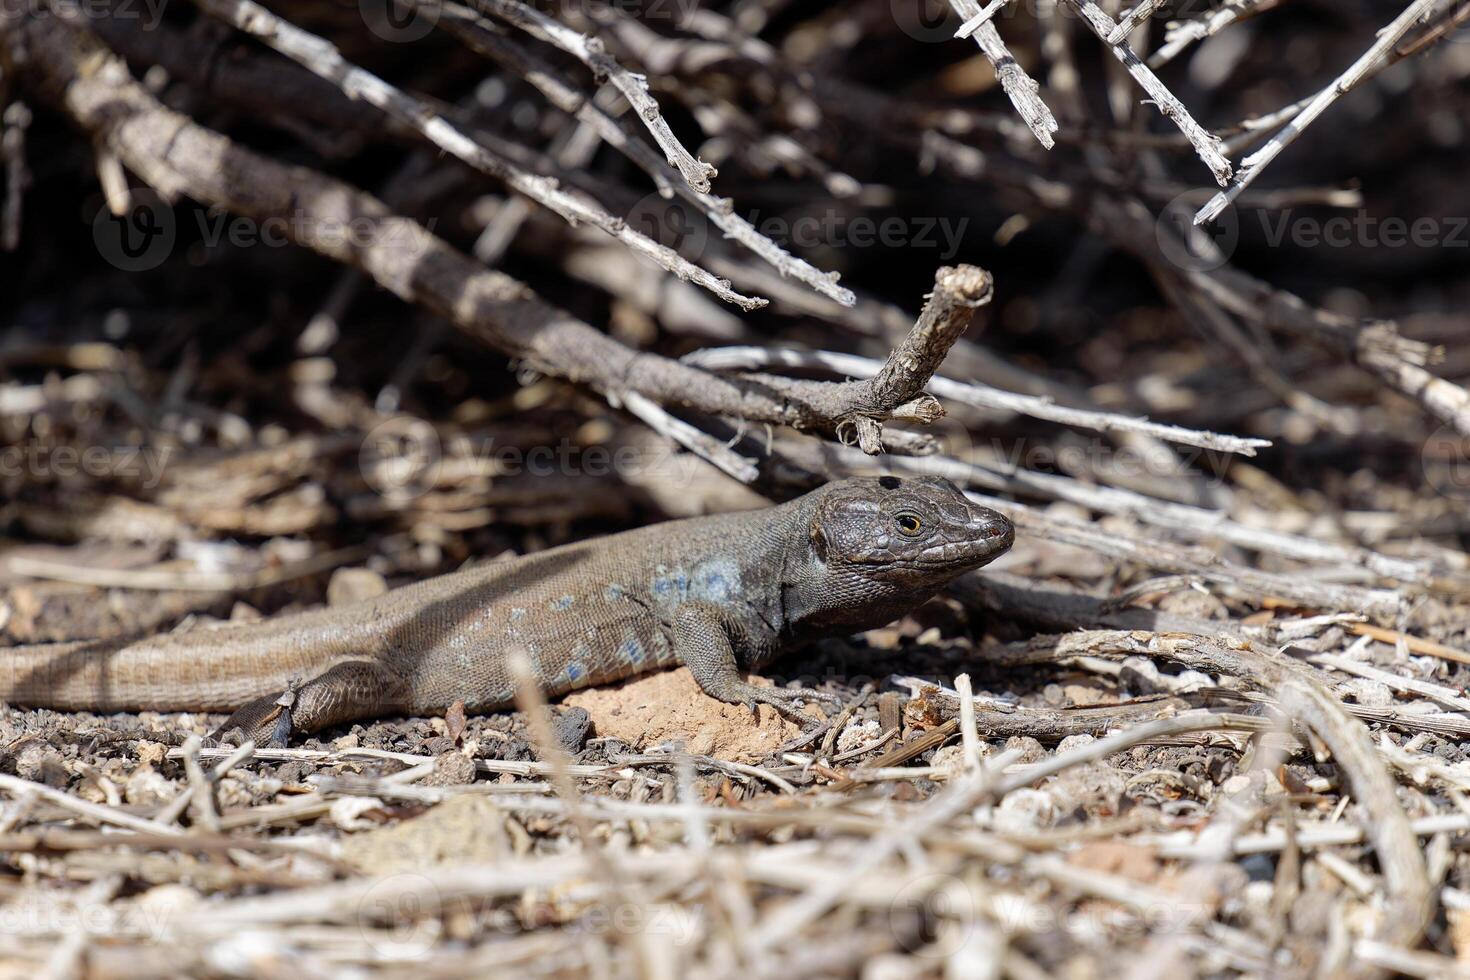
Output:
(347, 691)
(704, 641)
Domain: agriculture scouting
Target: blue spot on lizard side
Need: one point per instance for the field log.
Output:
(557, 605)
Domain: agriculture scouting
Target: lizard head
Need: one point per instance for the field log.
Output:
(879, 546)
(914, 534)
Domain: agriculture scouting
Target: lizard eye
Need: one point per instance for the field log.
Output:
(908, 523)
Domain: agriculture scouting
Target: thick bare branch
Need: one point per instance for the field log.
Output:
(321, 57)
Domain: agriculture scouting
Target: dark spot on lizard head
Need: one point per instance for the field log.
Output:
(917, 533)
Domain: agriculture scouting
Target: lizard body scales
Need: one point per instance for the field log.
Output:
(719, 594)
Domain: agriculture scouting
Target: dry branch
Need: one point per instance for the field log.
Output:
(181, 158)
(1020, 87)
(971, 393)
(482, 37)
(633, 87)
(322, 58)
(1252, 166)
(1205, 143)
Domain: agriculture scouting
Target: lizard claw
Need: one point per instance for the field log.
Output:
(265, 721)
(786, 701)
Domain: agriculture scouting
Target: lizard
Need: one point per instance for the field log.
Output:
(720, 594)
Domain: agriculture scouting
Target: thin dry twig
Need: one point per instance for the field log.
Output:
(634, 88)
(322, 58)
(1020, 87)
(1252, 166)
(1205, 143)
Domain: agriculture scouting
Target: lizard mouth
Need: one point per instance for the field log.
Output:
(985, 538)
(986, 533)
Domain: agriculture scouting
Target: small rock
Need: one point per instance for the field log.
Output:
(1074, 741)
(703, 743)
(1193, 604)
(1092, 791)
(294, 772)
(1029, 748)
(1236, 784)
(1025, 810)
(1370, 694)
(461, 829)
(349, 585)
(1260, 867)
(1142, 675)
(347, 813)
(950, 759)
(451, 769)
(669, 706)
(439, 745)
(168, 903)
(147, 787)
(152, 753)
(41, 763)
(242, 612)
(1192, 680)
(570, 728)
(857, 734)
(1086, 695)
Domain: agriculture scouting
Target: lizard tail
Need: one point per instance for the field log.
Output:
(201, 670)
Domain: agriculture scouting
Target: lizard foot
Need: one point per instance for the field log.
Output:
(265, 721)
(346, 691)
(787, 701)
